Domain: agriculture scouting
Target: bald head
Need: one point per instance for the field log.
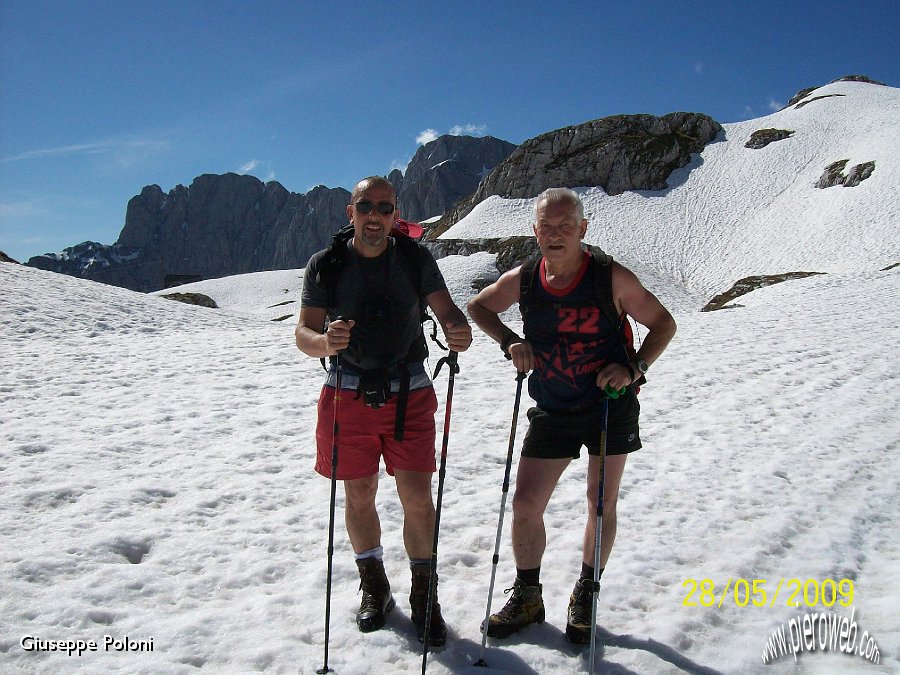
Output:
(372, 182)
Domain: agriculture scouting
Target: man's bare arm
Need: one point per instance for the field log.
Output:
(454, 323)
(638, 302)
(485, 309)
(312, 338)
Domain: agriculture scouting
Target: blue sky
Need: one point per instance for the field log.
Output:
(98, 99)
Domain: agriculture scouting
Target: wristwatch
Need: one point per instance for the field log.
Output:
(639, 368)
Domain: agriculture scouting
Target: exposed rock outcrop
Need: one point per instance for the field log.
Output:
(618, 153)
(198, 299)
(834, 174)
(748, 284)
(5, 258)
(511, 251)
(762, 137)
(803, 93)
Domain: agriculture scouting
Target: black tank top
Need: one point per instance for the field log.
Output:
(571, 339)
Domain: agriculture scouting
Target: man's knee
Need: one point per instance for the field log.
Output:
(525, 507)
(360, 493)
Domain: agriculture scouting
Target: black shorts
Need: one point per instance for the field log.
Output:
(559, 435)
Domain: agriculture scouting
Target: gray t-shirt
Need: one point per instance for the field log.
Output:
(381, 296)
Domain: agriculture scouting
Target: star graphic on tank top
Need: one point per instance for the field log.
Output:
(562, 361)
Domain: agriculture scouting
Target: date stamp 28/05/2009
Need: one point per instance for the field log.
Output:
(767, 592)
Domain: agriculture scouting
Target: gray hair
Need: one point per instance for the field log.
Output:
(557, 195)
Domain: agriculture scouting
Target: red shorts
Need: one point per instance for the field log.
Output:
(366, 434)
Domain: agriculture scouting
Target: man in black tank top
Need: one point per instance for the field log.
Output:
(573, 354)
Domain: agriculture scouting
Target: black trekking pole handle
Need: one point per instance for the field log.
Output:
(334, 462)
(520, 376)
(452, 360)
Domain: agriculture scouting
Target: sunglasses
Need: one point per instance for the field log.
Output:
(365, 206)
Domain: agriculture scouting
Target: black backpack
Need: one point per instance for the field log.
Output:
(374, 386)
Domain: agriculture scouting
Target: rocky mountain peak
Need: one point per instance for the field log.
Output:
(444, 171)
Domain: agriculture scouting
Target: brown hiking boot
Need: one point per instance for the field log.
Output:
(578, 621)
(377, 600)
(524, 607)
(418, 604)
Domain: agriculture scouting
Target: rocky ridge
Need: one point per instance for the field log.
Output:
(618, 153)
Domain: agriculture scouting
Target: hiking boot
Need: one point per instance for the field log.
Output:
(578, 621)
(418, 604)
(524, 607)
(377, 600)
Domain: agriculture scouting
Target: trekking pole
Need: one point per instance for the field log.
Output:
(451, 360)
(509, 455)
(334, 460)
(598, 530)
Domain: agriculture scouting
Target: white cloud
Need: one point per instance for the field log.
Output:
(774, 105)
(427, 136)
(26, 209)
(457, 130)
(248, 167)
(100, 147)
(468, 130)
(400, 164)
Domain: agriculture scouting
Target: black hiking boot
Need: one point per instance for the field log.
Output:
(418, 605)
(377, 600)
(578, 622)
(524, 607)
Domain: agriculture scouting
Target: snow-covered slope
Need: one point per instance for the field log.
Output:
(735, 211)
(156, 458)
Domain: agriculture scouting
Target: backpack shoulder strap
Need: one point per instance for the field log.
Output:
(409, 250)
(332, 262)
(526, 283)
(603, 286)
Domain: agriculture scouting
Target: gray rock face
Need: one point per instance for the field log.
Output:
(444, 171)
(232, 224)
(220, 225)
(619, 153)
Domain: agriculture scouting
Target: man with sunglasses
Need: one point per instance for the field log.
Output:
(372, 320)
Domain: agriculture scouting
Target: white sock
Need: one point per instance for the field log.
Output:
(377, 553)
